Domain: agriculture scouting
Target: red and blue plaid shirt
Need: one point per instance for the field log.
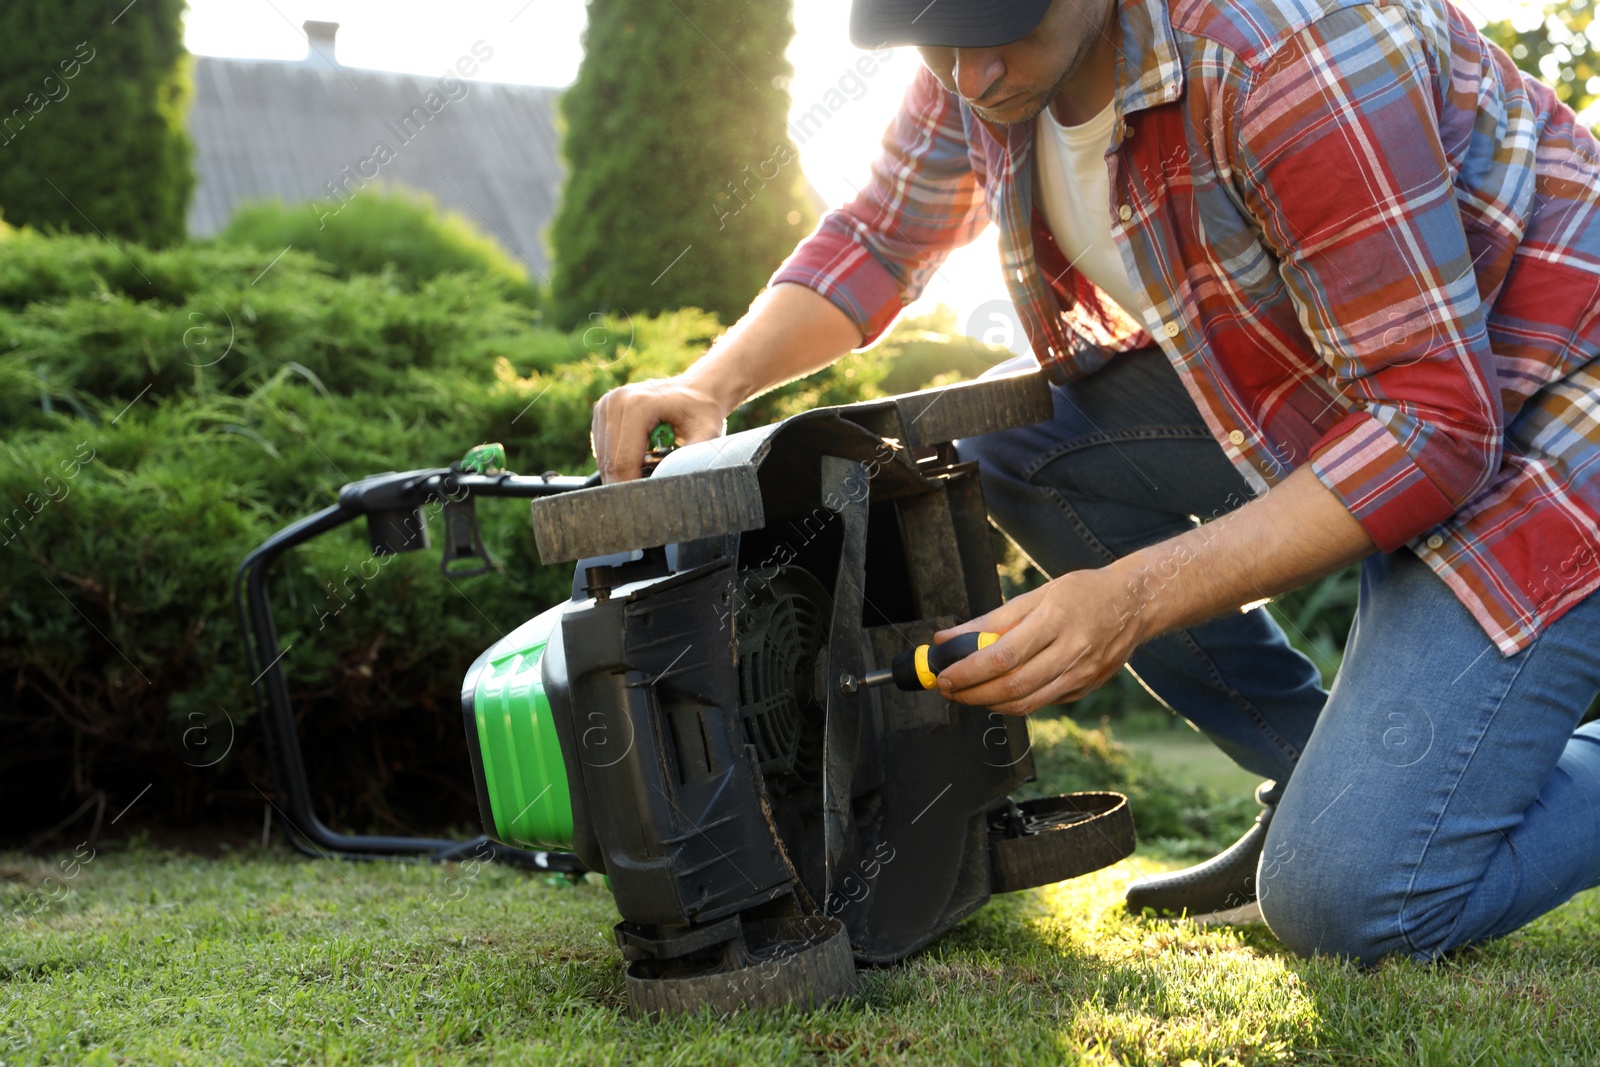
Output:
(1364, 239)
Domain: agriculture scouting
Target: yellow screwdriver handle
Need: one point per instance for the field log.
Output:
(920, 668)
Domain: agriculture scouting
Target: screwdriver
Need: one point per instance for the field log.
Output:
(917, 669)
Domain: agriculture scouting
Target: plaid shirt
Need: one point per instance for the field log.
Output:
(1364, 239)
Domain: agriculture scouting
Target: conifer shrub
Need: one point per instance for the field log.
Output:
(167, 411)
(92, 110)
(374, 230)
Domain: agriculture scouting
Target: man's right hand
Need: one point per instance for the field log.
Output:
(625, 417)
(788, 332)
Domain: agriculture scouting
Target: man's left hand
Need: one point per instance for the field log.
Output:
(1067, 638)
(1057, 643)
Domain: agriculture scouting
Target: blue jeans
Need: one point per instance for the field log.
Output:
(1439, 795)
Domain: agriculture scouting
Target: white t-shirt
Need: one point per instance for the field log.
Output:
(1074, 191)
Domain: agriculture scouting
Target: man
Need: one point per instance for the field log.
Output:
(1315, 283)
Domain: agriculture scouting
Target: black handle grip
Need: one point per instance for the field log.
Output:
(918, 668)
(954, 650)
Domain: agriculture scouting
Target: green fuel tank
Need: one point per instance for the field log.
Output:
(517, 767)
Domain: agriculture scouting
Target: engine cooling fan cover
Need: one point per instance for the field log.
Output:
(780, 632)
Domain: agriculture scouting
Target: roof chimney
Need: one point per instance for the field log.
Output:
(319, 42)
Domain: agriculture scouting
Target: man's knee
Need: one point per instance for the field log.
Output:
(1326, 894)
(1324, 900)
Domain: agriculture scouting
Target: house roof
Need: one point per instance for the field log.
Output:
(311, 130)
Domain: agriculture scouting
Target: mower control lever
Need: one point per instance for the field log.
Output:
(462, 541)
(663, 441)
(918, 669)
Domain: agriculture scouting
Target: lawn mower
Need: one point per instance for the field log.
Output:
(733, 718)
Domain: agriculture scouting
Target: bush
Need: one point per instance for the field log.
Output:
(1068, 758)
(929, 348)
(168, 411)
(373, 231)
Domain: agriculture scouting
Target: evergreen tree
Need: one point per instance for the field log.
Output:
(92, 102)
(684, 188)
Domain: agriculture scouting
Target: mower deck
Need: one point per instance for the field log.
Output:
(720, 774)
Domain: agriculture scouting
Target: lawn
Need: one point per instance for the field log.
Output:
(156, 957)
(1181, 753)
(260, 956)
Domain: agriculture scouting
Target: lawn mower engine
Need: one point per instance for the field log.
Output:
(689, 723)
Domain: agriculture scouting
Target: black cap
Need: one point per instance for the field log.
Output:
(947, 23)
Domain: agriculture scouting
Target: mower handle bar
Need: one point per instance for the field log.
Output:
(382, 495)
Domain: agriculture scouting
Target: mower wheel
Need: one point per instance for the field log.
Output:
(801, 961)
(1050, 839)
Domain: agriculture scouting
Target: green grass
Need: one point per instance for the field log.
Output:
(1187, 758)
(141, 955)
(1181, 753)
(262, 957)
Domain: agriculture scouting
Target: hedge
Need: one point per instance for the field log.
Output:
(167, 410)
(373, 231)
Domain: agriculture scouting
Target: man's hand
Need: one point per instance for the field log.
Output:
(1067, 638)
(1057, 643)
(619, 433)
(788, 332)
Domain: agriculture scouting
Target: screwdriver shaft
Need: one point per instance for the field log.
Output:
(882, 676)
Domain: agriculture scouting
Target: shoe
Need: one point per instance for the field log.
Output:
(1222, 883)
